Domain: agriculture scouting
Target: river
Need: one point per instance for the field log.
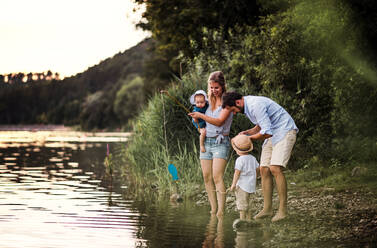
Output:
(53, 194)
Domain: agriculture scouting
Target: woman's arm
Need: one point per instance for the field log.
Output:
(224, 114)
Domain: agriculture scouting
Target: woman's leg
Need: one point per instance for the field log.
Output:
(208, 182)
(218, 169)
(202, 139)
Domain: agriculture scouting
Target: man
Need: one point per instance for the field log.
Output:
(274, 125)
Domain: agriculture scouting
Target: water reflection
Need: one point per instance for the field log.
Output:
(214, 236)
(51, 195)
(55, 194)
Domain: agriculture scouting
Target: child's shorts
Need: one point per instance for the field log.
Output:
(243, 199)
(214, 150)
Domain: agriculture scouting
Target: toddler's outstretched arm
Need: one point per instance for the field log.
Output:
(236, 176)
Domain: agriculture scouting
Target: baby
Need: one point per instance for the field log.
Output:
(245, 176)
(200, 101)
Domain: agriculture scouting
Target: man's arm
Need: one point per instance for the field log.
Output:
(254, 133)
(259, 136)
(251, 131)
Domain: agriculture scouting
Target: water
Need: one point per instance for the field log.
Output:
(53, 194)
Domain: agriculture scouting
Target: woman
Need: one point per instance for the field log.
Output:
(213, 160)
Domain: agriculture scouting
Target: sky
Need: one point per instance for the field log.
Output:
(64, 36)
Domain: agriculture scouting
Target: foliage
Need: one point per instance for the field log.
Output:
(177, 24)
(86, 98)
(309, 57)
(150, 151)
(129, 99)
(315, 58)
(182, 29)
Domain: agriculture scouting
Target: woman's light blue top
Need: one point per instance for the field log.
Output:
(215, 131)
(272, 118)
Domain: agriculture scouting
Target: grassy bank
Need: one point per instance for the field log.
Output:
(356, 176)
(163, 134)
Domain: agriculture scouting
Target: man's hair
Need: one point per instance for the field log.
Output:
(229, 99)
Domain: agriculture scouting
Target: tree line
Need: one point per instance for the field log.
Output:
(104, 96)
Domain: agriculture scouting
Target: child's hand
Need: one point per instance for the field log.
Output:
(232, 188)
(196, 115)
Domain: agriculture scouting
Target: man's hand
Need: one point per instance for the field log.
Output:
(243, 132)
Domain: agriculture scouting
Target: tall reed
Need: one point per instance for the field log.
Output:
(150, 151)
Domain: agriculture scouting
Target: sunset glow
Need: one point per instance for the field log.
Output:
(65, 37)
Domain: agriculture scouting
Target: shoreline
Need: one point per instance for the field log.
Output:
(42, 134)
(35, 127)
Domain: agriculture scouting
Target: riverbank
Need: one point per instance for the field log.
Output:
(331, 215)
(324, 216)
(40, 135)
(36, 127)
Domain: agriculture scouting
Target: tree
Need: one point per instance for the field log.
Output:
(177, 24)
(183, 28)
(129, 99)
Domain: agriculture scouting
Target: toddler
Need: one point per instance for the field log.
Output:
(245, 175)
(200, 101)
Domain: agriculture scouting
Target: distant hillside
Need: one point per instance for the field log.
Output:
(87, 99)
(120, 66)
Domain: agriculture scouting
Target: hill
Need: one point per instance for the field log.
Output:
(86, 99)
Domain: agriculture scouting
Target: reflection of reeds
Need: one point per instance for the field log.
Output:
(109, 166)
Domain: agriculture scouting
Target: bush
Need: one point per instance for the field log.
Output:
(129, 99)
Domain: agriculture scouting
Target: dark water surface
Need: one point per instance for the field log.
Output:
(52, 195)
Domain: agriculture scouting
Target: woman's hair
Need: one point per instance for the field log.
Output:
(218, 77)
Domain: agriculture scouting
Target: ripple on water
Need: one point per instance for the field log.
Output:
(10, 158)
(50, 199)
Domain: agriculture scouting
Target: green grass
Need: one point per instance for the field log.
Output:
(340, 177)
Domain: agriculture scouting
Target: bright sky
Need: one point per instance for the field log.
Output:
(64, 36)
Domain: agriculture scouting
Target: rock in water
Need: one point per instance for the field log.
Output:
(176, 198)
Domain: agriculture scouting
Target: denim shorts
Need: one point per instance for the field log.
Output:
(214, 150)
